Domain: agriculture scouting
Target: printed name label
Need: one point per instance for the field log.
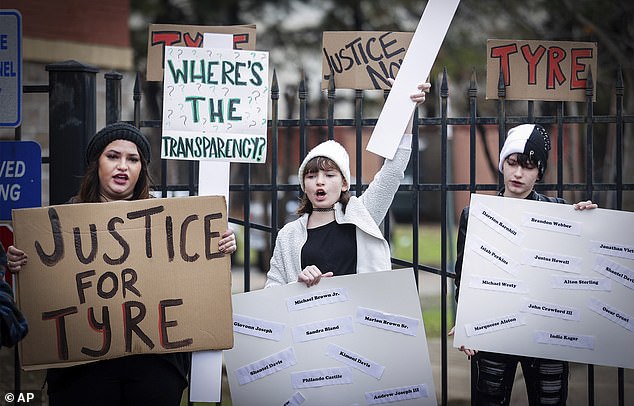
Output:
(355, 360)
(565, 339)
(580, 283)
(258, 327)
(613, 249)
(494, 256)
(396, 394)
(321, 329)
(553, 260)
(321, 377)
(501, 285)
(317, 299)
(499, 224)
(611, 313)
(387, 321)
(266, 366)
(557, 225)
(492, 325)
(550, 309)
(614, 271)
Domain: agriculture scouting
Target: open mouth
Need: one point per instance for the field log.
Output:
(121, 178)
(320, 193)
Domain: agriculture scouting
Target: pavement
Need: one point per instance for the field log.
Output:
(458, 367)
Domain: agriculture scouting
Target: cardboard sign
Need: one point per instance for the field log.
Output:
(541, 70)
(106, 280)
(215, 105)
(164, 35)
(544, 280)
(355, 339)
(415, 69)
(363, 59)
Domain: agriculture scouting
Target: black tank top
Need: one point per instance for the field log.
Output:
(331, 248)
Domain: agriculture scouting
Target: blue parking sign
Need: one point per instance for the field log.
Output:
(20, 176)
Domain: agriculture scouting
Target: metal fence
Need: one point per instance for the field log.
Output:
(307, 131)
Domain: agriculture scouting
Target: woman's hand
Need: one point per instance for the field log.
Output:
(311, 275)
(468, 352)
(16, 259)
(227, 245)
(587, 205)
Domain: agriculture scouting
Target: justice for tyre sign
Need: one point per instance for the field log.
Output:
(128, 278)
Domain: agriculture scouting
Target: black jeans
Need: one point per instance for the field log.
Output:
(127, 381)
(492, 377)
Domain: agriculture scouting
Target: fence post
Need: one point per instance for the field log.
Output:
(72, 120)
(113, 97)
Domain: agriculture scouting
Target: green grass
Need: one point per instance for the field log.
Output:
(429, 237)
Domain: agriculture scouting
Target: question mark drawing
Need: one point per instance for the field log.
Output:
(181, 106)
(184, 119)
(264, 121)
(258, 94)
(247, 114)
(226, 90)
(180, 52)
(170, 113)
(208, 54)
(171, 88)
(259, 109)
(198, 86)
(229, 126)
(171, 51)
(250, 99)
(204, 121)
(182, 86)
(213, 90)
(236, 55)
(253, 123)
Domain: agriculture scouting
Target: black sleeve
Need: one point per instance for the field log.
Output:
(462, 235)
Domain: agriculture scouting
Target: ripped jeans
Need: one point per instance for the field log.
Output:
(492, 377)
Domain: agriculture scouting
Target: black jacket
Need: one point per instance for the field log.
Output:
(462, 230)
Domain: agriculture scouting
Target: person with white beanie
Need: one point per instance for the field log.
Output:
(523, 162)
(337, 233)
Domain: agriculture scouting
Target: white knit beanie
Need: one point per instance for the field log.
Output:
(331, 150)
(528, 139)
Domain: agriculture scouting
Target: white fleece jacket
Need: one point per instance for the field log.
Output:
(365, 212)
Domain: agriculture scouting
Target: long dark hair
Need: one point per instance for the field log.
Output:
(313, 166)
(89, 189)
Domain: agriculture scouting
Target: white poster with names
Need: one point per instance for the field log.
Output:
(570, 294)
(355, 339)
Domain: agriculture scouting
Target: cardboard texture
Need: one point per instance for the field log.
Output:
(541, 70)
(162, 35)
(105, 280)
(284, 333)
(543, 280)
(362, 59)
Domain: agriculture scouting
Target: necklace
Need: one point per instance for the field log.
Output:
(323, 209)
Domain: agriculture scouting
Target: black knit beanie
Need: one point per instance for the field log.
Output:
(117, 131)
